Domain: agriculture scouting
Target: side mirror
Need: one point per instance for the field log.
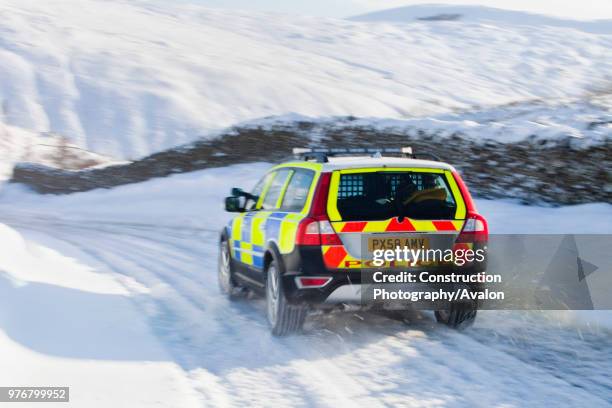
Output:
(233, 204)
(237, 192)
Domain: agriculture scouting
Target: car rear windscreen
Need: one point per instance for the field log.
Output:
(382, 195)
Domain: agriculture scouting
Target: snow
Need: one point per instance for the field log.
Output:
(52, 150)
(163, 74)
(196, 200)
(142, 257)
(584, 123)
(64, 324)
(113, 292)
(507, 217)
(481, 15)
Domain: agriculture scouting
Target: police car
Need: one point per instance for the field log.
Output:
(306, 230)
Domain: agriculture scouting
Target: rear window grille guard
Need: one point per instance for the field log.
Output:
(394, 181)
(350, 186)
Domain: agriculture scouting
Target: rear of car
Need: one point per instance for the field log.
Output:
(317, 250)
(360, 207)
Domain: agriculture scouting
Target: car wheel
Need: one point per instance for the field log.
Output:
(284, 318)
(225, 276)
(459, 316)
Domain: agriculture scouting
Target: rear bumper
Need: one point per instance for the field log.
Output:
(345, 285)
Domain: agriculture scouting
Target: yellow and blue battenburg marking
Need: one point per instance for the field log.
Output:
(251, 231)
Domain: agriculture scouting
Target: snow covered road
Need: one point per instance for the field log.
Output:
(359, 358)
(222, 351)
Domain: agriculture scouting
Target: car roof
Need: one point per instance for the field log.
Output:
(350, 162)
(355, 162)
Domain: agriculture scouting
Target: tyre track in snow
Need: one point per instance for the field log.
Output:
(230, 356)
(197, 299)
(113, 253)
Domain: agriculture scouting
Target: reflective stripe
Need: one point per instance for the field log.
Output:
(461, 211)
(332, 199)
(258, 261)
(257, 232)
(333, 256)
(246, 257)
(236, 235)
(237, 228)
(376, 226)
(336, 257)
(251, 231)
(281, 228)
(247, 247)
(392, 225)
(246, 227)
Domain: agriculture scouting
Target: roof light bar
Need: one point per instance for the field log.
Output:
(322, 154)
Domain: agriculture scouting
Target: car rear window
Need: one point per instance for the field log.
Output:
(382, 195)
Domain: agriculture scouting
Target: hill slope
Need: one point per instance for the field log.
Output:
(128, 78)
(481, 15)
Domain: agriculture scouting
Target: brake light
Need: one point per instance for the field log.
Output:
(328, 235)
(308, 232)
(316, 228)
(316, 231)
(312, 282)
(475, 229)
(319, 201)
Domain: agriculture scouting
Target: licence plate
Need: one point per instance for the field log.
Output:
(388, 242)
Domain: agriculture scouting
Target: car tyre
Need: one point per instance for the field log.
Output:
(284, 318)
(225, 273)
(459, 316)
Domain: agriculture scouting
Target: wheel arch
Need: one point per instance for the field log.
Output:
(272, 253)
(224, 235)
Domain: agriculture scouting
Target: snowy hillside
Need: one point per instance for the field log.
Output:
(127, 78)
(481, 15)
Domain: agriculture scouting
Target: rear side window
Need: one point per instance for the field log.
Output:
(297, 190)
(383, 195)
(276, 188)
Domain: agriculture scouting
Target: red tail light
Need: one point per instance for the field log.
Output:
(319, 201)
(316, 228)
(312, 282)
(475, 229)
